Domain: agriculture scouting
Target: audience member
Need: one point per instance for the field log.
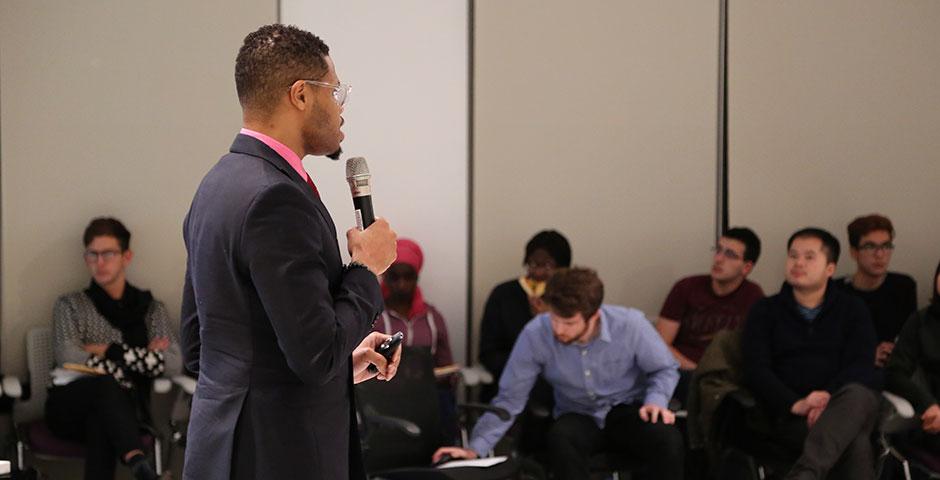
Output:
(807, 353)
(423, 325)
(125, 333)
(407, 311)
(612, 376)
(700, 306)
(917, 355)
(891, 297)
(513, 303)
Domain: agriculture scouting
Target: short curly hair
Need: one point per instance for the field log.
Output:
(271, 59)
(555, 245)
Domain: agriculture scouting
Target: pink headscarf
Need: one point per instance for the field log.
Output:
(410, 253)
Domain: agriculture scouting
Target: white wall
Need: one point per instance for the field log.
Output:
(596, 118)
(107, 108)
(407, 63)
(834, 113)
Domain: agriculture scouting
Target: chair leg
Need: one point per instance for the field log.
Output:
(158, 456)
(19, 455)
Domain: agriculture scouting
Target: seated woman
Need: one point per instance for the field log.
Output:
(423, 325)
(508, 309)
(513, 303)
(115, 328)
(918, 349)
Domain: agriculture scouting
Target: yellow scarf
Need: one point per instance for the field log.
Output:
(531, 287)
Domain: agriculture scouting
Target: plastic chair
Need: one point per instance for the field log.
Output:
(400, 425)
(33, 434)
(899, 419)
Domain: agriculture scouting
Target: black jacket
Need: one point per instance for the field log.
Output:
(269, 320)
(786, 357)
(917, 352)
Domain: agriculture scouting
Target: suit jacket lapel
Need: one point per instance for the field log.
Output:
(252, 146)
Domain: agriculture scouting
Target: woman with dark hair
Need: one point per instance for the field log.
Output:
(916, 356)
(513, 303)
(509, 307)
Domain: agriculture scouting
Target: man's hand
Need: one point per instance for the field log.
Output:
(684, 362)
(813, 415)
(373, 247)
(931, 419)
(883, 353)
(454, 452)
(96, 349)
(159, 344)
(816, 399)
(650, 413)
(365, 355)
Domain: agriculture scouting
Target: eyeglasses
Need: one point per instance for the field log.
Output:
(726, 252)
(92, 256)
(340, 91)
(548, 265)
(874, 247)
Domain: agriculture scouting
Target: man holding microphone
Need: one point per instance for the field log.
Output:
(272, 321)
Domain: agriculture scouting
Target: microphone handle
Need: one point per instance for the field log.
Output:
(365, 216)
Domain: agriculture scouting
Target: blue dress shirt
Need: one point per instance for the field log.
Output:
(626, 363)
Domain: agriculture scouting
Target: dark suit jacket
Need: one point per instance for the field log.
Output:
(269, 320)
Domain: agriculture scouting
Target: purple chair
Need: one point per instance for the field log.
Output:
(33, 435)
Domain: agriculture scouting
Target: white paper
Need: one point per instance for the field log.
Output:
(479, 462)
(61, 376)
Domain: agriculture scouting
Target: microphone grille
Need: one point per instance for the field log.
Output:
(356, 166)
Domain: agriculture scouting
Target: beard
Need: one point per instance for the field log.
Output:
(587, 326)
(335, 155)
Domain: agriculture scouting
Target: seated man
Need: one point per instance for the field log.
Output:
(611, 374)
(891, 297)
(700, 306)
(423, 325)
(807, 359)
(123, 331)
(918, 351)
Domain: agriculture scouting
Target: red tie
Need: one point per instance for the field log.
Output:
(312, 186)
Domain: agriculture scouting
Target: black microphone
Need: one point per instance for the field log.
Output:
(360, 184)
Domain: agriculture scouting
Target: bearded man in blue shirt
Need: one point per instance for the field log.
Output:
(612, 376)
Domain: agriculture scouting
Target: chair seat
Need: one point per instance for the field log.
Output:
(42, 441)
(929, 459)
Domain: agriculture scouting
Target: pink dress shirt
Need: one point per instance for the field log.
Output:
(281, 150)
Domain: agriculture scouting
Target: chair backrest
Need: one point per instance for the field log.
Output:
(40, 359)
(412, 396)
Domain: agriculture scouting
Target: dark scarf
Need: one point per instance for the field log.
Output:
(127, 314)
